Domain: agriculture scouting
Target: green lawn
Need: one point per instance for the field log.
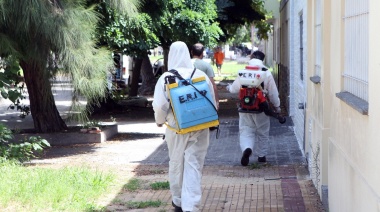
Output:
(229, 68)
(155, 58)
(45, 189)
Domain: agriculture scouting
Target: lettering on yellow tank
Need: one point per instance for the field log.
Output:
(190, 96)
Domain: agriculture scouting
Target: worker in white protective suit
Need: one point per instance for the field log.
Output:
(187, 152)
(254, 127)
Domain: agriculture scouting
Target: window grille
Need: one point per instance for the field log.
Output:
(301, 47)
(356, 48)
(318, 37)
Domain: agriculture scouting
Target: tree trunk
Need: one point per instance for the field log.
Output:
(133, 90)
(166, 56)
(148, 79)
(44, 112)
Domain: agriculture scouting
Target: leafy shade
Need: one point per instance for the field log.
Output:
(233, 14)
(131, 35)
(33, 32)
(188, 21)
(11, 86)
(124, 7)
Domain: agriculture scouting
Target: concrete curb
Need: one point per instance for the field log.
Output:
(70, 138)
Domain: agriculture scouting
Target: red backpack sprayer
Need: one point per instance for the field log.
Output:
(252, 97)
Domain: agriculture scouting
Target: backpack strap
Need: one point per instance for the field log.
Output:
(175, 72)
(192, 74)
(185, 82)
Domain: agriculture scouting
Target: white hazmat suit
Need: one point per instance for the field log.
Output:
(187, 152)
(254, 126)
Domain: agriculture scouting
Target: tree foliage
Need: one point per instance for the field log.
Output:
(22, 151)
(188, 21)
(159, 22)
(233, 14)
(242, 35)
(131, 35)
(34, 32)
(11, 85)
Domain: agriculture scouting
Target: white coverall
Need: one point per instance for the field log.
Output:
(187, 152)
(254, 126)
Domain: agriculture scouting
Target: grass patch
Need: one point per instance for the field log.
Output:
(155, 58)
(230, 67)
(45, 189)
(132, 185)
(143, 204)
(160, 185)
(138, 204)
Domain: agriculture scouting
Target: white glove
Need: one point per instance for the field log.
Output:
(278, 110)
(228, 87)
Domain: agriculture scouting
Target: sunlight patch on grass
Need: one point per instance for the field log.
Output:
(160, 185)
(44, 189)
(138, 204)
(132, 185)
(143, 204)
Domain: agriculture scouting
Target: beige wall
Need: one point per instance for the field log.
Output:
(318, 101)
(349, 141)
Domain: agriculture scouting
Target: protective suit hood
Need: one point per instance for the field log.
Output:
(179, 56)
(257, 62)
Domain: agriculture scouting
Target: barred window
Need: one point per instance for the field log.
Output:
(318, 37)
(301, 46)
(356, 49)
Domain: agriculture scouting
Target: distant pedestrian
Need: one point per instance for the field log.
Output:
(254, 125)
(197, 53)
(219, 59)
(187, 151)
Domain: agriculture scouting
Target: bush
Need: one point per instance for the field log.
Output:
(22, 151)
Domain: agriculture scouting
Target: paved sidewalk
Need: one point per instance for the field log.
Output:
(282, 184)
(234, 188)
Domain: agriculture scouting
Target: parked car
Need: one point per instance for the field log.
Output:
(158, 67)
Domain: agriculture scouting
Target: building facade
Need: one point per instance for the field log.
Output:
(343, 107)
(297, 67)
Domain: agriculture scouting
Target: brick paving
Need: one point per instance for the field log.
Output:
(280, 185)
(232, 188)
